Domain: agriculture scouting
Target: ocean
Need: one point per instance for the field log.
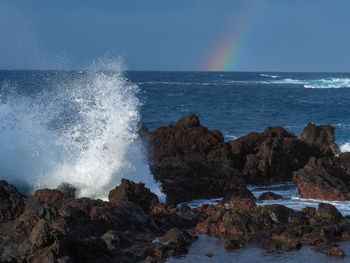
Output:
(81, 127)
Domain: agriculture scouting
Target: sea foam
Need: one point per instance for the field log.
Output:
(81, 130)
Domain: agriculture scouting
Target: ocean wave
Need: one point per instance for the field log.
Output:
(82, 131)
(345, 147)
(325, 83)
(269, 76)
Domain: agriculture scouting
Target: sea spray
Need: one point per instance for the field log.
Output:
(81, 129)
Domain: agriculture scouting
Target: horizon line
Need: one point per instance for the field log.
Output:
(184, 71)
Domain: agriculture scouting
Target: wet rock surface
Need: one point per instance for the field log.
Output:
(276, 227)
(320, 179)
(270, 196)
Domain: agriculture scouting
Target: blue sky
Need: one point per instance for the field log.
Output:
(286, 35)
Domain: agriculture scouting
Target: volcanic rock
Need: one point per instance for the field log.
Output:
(330, 250)
(320, 136)
(322, 180)
(270, 196)
(55, 227)
(239, 197)
(345, 161)
(271, 156)
(136, 193)
(11, 202)
(190, 161)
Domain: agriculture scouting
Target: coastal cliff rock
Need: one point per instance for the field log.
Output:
(322, 180)
(190, 161)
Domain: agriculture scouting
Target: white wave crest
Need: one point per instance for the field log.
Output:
(269, 76)
(326, 83)
(82, 131)
(345, 147)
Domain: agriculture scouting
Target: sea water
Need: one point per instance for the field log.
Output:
(80, 127)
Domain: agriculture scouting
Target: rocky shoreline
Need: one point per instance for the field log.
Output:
(191, 162)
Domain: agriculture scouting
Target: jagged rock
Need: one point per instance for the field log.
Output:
(322, 180)
(270, 196)
(136, 193)
(345, 161)
(54, 227)
(239, 197)
(190, 161)
(271, 156)
(321, 136)
(11, 202)
(67, 189)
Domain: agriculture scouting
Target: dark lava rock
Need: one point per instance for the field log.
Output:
(345, 161)
(231, 244)
(190, 161)
(321, 136)
(11, 202)
(322, 180)
(330, 250)
(136, 193)
(271, 156)
(239, 197)
(276, 227)
(270, 196)
(55, 227)
(328, 213)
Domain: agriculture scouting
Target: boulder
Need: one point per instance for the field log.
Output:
(322, 180)
(328, 213)
(321, 136)
(190, 161)
(270, 196)
(136, 193)
(231, 244)
(239, 197)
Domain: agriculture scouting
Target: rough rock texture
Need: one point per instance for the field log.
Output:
(270, 196)
(322, 180)
(330, 250)
(344, 159)
(55, 227)
(321, 136)
(136, 193)
(272, 156)
(239, 197)
(276, 227)
(11, 202)
(190, 161)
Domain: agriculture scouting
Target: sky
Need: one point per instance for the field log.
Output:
(179, 35)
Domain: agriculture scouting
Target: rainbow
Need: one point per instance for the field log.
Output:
(230, 49)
